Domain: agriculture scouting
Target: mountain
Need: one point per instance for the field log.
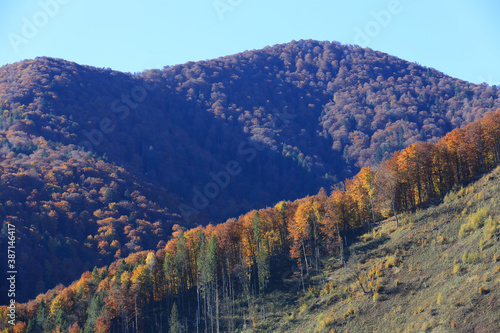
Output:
(317, 111)
(319, 263)
(97, 164)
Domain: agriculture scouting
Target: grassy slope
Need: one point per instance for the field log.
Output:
(425, 282)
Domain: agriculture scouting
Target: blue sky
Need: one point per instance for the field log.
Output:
(459, 38)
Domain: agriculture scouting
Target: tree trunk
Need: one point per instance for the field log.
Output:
(373, 212)
(497, 145)
(136, 327)
(217, 305)
(305, 258)
(395, 213)
(302, 277)
(341, 252)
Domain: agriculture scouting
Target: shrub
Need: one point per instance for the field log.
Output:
(352, 311)
(367, 237)
(450, 197)
(376, 297)
(470, 258)
(302, 309)
(311, 292)
(475, 221)
(324, 323)
(469, 190)
(440, 299)
(391, 261)
(490, 228)
(328, 288)
(441, 239)
(480, 196)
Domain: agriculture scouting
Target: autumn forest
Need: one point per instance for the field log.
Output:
(180, 199)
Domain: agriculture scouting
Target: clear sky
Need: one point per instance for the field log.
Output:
(458, 37)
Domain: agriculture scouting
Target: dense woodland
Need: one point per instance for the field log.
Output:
(96, 164)
(73, 211)
(217, 276)
(318, 111)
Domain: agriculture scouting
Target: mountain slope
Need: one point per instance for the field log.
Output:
(73, 212)
(437, 272)
(199, 142)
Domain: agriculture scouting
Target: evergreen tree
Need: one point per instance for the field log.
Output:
(93, 312)
(175, 324)
(41, 317)
(60, 323)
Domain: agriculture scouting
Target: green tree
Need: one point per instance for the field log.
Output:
(41, 317)
(174, 323)
(181, 262)
(93, 312)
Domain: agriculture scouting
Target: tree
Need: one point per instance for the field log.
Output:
(329, 226)
(168, 269)
(386, 180)
(263, 263)
(174, 323)
(41, 316)
(344, 206)
(367, 178)
(299, 232)
(94, 311)
(476, 147)
(212, 261)
(151, 261)
(491, 133)
(181, 264)
(283, 224)
(452, 141)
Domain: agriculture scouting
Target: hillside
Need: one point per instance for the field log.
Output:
(73, 212)
(97, 164)
(300, 265)
(437, 272)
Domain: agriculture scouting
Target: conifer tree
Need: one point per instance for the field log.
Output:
(174, 323)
